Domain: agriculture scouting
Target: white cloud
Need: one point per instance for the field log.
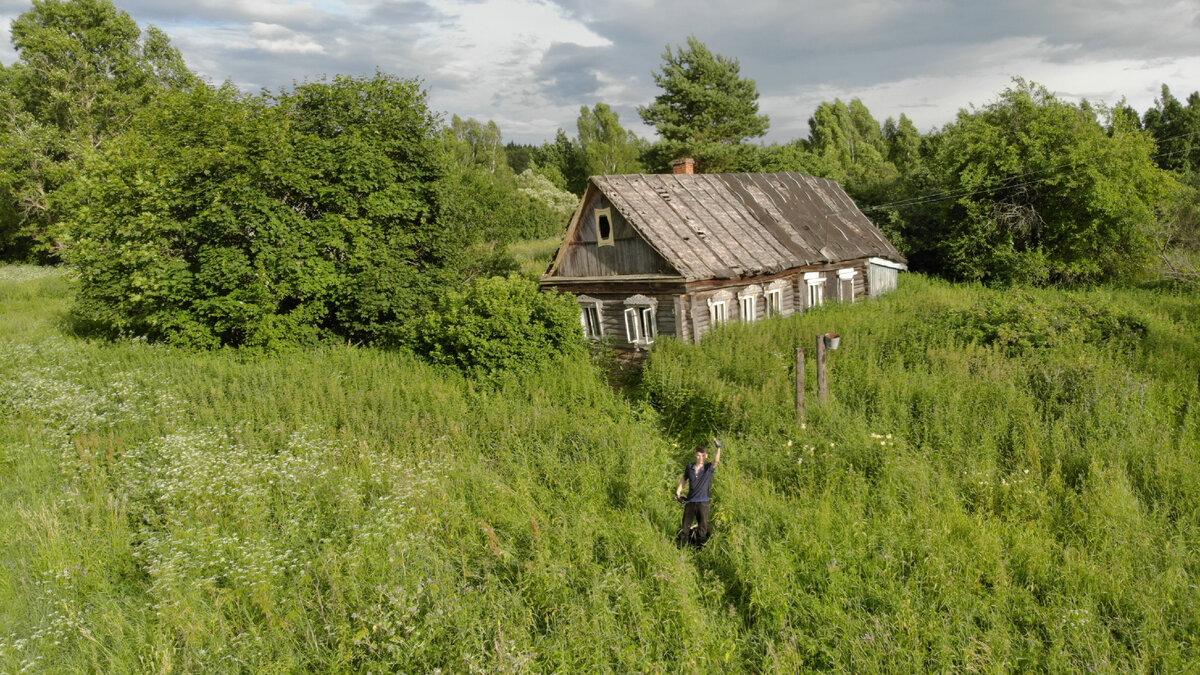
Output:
(530, 64)
(271, 37)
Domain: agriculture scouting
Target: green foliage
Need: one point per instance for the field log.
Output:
(607, 147)
(224, 220)
(84, 69)
(1176, 130)
(1018, 321)
(473, 144)
(482, 193)
(500, 324)
(707, 109)
(903, 143)
(352, 509)
(501, 208)
(849, 137)
(1044, 194)
(542, 189)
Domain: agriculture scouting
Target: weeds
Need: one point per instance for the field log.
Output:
(959, 505)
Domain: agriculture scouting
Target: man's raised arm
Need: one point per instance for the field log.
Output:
(717, 457)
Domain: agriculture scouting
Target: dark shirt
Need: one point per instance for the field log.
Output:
(698, 484)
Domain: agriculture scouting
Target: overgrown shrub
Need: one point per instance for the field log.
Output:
(499, 324)
(220, 219)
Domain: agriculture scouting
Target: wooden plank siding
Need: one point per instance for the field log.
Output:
(612, 317)
(680, 240)
(629, 254)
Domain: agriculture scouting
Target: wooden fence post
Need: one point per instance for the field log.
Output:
(822, 375)
(800, 412)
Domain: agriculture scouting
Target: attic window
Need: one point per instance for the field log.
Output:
(604, 228)
(664, 193)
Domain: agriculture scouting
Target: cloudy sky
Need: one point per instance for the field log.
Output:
(530, 64)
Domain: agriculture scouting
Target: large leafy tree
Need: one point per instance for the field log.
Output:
(472, 143)
(482, 193)
(84, 68)
(849, 138)
(706, 110)
(607, 147)
(1039, 191)
(903, 143)
(219, 219)
(1176, 129)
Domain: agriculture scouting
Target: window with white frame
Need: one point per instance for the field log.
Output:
(640, 328)
(846, 283)
(604, 227)
(816, 288)
(773, 298)
(748, 307)
(593, 327)
(774, 305)
(718, 307)
(748, 302)
(716, 312)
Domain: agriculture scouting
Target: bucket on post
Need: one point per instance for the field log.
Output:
(832, 340)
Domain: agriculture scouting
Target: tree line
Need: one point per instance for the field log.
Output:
(345, 209)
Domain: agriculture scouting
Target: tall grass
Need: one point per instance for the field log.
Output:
(955, 507)
(534, 255)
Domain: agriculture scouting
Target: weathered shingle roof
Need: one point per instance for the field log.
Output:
(744, 224)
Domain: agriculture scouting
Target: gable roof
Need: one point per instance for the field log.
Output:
(743, 224)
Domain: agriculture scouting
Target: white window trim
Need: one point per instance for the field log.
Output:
(749, 295)
(632, 335)
(749, 308)
(844, 275)
(777, 293)
(883, 262)
(816, 289)
(718, 303)
(647, 318)
(641, 315)
(715, 308)
(606, 213)
(586, 303)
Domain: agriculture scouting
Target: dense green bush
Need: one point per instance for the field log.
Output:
(500, 324)
(220, 219)
(1042, 193)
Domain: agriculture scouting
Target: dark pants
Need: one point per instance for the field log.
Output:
(695, 512)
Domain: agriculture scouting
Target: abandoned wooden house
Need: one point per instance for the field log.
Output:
(677, 254)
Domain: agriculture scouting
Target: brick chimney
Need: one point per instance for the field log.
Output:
(686, 165)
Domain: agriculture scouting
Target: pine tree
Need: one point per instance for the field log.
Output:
(707, 109)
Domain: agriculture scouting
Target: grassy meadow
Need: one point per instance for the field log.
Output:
(1002, 481)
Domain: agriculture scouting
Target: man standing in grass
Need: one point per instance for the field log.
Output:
(696, 507)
